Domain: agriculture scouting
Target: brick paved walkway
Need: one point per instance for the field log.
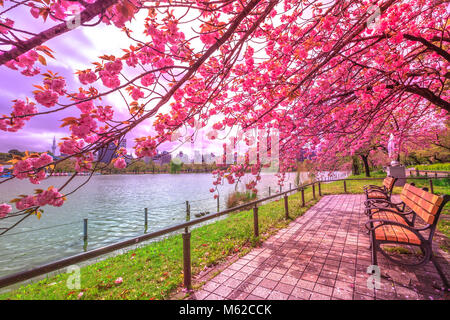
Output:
(322, 255)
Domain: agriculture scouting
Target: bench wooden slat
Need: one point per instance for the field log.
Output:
(425, 204)
(425, 195)
(388, 182)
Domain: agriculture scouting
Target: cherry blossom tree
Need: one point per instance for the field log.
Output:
(329, 77)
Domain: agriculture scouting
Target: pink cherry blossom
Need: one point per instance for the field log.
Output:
(120, 163)
(4, 209)
(87, 77)
(47, 98)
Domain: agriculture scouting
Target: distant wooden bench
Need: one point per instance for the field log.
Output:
(396, 223)
(374, 193)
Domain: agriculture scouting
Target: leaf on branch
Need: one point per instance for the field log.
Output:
(46, 50)
(68, 121)
(106, 57)
(42, 60)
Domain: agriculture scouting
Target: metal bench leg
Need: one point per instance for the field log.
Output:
(439, 270)
(373, 247)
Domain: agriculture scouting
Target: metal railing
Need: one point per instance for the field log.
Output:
(426, 173)
(59, 264)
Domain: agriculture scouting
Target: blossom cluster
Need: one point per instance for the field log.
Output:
(51, 196)
(32, 168)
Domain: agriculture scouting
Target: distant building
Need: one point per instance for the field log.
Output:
(162, 158)
(182, 157)
(106, 154)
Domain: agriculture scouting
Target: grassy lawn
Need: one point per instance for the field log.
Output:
(155, 270)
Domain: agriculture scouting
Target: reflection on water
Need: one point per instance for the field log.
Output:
(114, 206)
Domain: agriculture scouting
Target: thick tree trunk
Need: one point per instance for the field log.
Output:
(365, 160)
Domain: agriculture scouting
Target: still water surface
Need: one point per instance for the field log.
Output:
(114, 206)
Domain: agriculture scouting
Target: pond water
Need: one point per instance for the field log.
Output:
(114, 206)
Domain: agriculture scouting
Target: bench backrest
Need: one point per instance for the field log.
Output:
(388, 183)
(425, 204)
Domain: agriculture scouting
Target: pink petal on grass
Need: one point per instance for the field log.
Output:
(118, 280)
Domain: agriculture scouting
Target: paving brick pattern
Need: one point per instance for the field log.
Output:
(322, 255)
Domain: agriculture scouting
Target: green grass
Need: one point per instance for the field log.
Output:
(155, 270)
(436, 166)
(399, 250)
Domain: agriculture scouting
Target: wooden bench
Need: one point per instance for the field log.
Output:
(396, 223)
(375, 193)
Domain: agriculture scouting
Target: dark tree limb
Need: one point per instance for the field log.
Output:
(91, 11)
(429, 95)
(429, 45)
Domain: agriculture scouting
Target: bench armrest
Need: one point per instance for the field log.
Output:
(397, 205)
(373, 187)
(401, 214)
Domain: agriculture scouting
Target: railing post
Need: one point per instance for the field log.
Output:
(286, 206)
(188, 215)
(187, 259)
(431, 186)
(85, 229)
(281, 188)
(145, 219)
(303, 197)
(290, 186)
(314, 190)
(85, 234)
(320, 190)
(255, 221)
(218, 204)
(345, 186)
(188, 211)
(435, 174)
(417, 172)
(269, 191)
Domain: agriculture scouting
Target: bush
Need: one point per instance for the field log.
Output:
(442, 182)
(237, 198)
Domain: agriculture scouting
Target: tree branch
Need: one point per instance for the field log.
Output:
(429, 45)
(89, 13)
